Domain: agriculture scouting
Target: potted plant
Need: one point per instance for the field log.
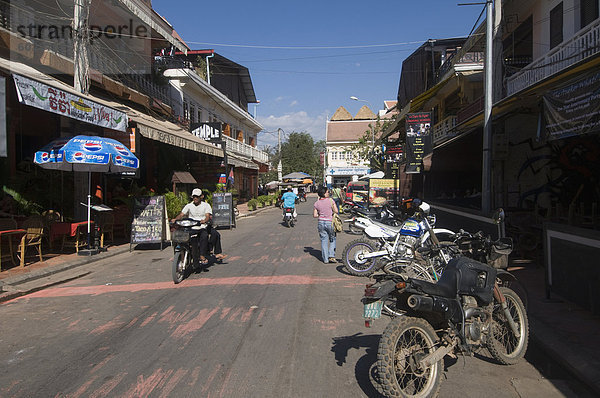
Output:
(252, 204)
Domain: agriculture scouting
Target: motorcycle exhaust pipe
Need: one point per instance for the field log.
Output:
(420, 303)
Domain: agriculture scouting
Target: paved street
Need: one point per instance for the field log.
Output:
(271, 322)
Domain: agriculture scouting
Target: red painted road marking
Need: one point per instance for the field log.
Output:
(283, 280)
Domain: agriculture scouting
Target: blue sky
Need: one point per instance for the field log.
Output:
(307, 58)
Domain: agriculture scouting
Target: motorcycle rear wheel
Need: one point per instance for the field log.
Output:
(504, 346)
(179, 267)
(405, 341)
(353, 261)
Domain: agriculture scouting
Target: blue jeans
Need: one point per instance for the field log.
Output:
(327, 235)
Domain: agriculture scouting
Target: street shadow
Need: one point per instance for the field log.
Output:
(365, 369)
(342, 270)
(313, 252)
(151, 246)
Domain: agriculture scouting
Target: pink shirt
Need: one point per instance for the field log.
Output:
(324, 209)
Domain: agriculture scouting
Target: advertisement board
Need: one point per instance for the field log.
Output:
(382, 191)
(419, 140)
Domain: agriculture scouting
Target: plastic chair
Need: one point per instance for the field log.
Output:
(33, 237)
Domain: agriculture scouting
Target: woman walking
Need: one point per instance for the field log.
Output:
(324, 209)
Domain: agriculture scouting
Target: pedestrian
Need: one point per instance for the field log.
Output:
(336, 194)
(323, 210)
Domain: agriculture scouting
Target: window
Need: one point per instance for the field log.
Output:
(334, 155)
(556, 25)
(588, 10)
(348, 155)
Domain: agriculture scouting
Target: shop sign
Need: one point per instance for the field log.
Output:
(382, 191)
(574, 108)
(55, 100)
(418, 140)
(207, 131)
(348, 171)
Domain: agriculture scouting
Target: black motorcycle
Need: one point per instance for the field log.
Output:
(185, 230)
(466, 309)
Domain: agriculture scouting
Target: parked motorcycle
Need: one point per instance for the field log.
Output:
(184, 231)
(363, 217)
(465, 310)
(288, 216)
(395, 248)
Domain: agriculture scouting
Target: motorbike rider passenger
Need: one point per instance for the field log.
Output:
(289, 201)
(201, 211)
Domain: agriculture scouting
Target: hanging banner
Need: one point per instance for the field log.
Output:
(574, 108)
(55, 100)
(418, 140)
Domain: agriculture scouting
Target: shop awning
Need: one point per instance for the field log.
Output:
(238, 161)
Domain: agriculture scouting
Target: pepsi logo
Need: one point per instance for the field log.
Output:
(78, 156)
(92, 146)
(45, 156)
(122, 150)
(118, 160)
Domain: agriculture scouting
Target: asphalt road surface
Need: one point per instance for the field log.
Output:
(273, 321)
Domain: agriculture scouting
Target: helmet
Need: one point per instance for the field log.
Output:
(425, 208)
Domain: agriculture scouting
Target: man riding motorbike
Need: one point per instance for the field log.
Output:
(289, 201)
(201, 211)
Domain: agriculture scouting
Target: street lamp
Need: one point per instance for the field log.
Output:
(373, 134)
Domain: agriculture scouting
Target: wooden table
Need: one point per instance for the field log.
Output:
(10, 233)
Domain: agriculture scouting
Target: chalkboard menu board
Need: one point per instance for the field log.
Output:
(149, 220)
(222, 206)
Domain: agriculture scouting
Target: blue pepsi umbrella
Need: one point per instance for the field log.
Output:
(86, 153)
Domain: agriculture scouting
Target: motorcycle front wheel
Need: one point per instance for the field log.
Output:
(502, 343)
(178, 271)
(404, 343)
(353, 259)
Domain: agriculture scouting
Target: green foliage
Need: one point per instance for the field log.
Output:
(175, 203)
(252, 204)
(365, 149)
(24, 206)
(298, 153)
(262, 199)
(272, 199)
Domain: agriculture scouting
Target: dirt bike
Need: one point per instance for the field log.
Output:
(465, 310)
(182, 235)
(390, 247)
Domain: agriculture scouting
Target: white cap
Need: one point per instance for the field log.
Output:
(197, 192)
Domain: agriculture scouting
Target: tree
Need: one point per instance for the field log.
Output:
(365, 148)
(299, 152)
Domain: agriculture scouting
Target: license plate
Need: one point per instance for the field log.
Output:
(373, 310)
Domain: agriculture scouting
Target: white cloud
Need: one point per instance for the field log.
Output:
(293, 103)
(292, 122)
(279, 99)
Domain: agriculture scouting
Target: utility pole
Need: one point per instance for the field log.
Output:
(486, 173)
(279, 167)
(81, 79)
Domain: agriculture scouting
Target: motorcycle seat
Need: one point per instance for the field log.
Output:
(365, 212)
(388, 227)
(445, 289)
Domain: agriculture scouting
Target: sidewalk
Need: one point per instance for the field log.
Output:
(566, 332)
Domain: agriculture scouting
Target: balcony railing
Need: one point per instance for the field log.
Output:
(583, 45)
(238, 147)
(444, 130)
